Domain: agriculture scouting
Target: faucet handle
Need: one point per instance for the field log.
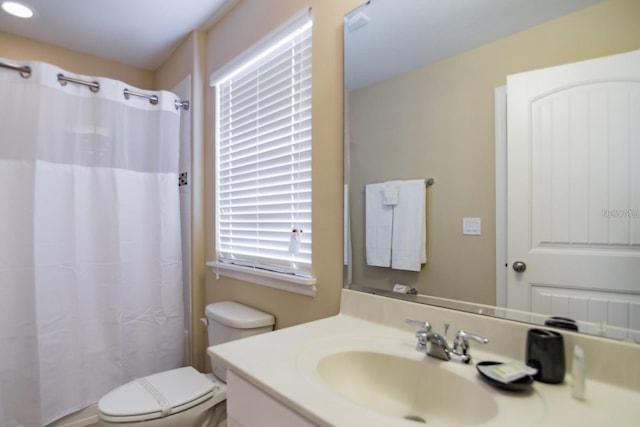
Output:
(422, 335)
(461, 343)
(424, 326)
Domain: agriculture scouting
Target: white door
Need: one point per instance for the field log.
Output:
(574, 190)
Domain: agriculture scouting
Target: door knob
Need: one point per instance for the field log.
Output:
(519, 266)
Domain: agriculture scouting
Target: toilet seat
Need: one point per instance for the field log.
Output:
(160, 395)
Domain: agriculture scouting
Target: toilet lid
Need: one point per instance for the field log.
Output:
(157, 395)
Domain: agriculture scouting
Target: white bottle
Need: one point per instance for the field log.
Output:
(578, 373)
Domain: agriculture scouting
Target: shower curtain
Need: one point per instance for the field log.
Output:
(90, 253)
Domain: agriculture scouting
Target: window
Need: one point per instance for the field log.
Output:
(263, 156)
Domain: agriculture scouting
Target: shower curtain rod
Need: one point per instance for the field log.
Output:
(25, 71)
(63, 80)
(181, 104)
(153, 99)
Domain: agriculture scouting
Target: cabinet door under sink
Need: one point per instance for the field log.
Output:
(247, 406)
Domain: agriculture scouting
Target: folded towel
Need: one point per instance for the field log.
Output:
(390, 191)
(409, 241)
(378, 227)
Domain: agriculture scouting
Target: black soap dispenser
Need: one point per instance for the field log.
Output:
(545, 352)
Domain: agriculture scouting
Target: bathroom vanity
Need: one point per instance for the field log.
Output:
(361, 368)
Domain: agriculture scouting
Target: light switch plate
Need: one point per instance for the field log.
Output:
(471, 226)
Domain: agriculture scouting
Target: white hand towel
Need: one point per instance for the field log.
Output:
(390, 191)
(409, 241)
(378, 223)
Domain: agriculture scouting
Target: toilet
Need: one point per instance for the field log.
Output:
(184, 397)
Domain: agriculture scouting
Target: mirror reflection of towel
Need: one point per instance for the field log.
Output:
(378, 226)
(390, 192)
(396, 224)
(409, 240)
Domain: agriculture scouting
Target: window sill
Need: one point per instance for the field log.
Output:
(284, 282)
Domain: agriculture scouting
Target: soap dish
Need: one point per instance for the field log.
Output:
(521, 384)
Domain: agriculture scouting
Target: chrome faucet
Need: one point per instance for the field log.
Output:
(461, 344)
(435, 345)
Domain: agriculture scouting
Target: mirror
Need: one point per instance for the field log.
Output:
(420, 102)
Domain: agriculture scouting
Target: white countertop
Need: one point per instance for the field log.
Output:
(281, 363)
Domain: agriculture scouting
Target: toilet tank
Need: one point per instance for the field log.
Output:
(228, 321)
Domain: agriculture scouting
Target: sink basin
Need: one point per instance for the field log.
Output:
(383, 381)
(407, 388)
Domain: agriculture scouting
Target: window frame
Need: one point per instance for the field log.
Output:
(297, 283)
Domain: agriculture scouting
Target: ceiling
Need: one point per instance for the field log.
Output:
(140, 33)
(143, 33)
(384, 38)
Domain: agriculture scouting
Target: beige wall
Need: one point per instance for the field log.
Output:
(19, 48)
(439, 122)
(179, 65)
(243, 26)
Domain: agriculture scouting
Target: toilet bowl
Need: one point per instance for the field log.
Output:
(184, 397)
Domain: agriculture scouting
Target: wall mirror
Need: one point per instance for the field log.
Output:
(425, 84)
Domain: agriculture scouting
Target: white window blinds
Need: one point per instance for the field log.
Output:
(263, 157)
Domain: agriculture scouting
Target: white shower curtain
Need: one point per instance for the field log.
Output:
(90, 254)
